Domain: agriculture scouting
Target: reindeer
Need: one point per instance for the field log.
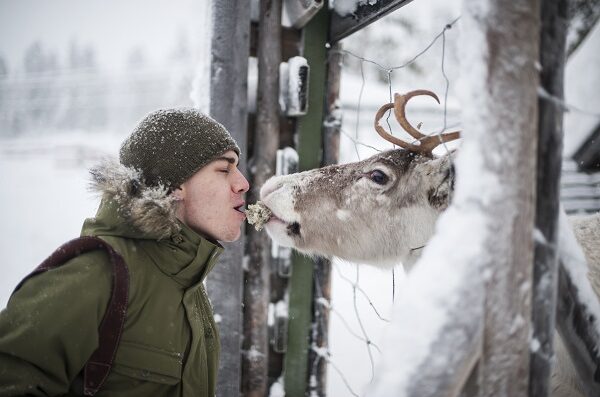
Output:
(382, 210)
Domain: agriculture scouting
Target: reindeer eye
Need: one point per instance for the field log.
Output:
(379, 177)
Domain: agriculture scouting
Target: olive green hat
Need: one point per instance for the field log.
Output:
(169, 145)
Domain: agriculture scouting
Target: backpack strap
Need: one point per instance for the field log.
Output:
(100, 362)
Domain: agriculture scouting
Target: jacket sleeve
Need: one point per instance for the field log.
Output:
(49, 328)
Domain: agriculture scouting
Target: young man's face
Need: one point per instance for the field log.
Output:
(212, 197)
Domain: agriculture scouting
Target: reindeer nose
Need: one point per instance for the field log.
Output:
(270, 186)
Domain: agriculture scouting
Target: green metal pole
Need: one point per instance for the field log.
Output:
(310, 153)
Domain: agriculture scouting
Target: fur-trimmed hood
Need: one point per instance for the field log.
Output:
(149, 210)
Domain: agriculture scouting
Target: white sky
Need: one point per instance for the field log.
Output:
(113, 27)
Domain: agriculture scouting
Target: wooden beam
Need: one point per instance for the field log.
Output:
(296, 357)
(228, 91)
(322, 275)
(365, 14)
(549, 163)
(309, 151)
(291, 44)
(333, 122)
(502, 104)
(265, 144)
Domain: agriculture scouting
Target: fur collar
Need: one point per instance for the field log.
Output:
(150, 209)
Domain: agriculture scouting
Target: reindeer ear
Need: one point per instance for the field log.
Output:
(439, 198)
(441, 175)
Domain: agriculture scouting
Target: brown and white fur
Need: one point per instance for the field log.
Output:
(346, 211)
(340, 210)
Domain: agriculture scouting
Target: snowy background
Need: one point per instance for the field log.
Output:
(71, 88)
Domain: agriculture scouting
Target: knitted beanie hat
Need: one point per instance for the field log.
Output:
(169, 145)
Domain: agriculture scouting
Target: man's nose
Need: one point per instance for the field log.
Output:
(241, 184)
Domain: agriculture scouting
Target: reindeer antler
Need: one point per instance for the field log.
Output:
(427, 143)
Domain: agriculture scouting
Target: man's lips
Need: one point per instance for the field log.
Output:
(240, 207)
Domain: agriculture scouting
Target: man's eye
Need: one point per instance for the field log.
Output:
(379, 177)
(225, 171)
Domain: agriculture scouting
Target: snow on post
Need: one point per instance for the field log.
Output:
(475, 275)
(293, 86)
(346, 7)
(550, 133)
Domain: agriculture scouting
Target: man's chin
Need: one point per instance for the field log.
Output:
(231, 237)
(223, 237)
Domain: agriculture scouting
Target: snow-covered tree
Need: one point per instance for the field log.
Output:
(40, 67)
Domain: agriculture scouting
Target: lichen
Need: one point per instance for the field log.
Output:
(258, 214)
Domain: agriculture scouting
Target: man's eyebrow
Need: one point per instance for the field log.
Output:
(230, 160)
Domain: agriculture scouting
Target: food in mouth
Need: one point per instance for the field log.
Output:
(258, 214)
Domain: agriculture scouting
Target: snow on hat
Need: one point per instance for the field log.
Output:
(168, 146)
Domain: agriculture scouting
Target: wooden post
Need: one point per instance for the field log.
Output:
(228, 91)
(309, 151)
(505, 35)
(545, 271)
(331, 149)
(262, 164)
(332, 127)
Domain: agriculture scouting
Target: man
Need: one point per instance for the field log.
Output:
(174, 194)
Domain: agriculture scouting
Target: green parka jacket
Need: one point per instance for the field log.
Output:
(169, 345)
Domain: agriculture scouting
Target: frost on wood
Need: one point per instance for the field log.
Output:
(277, 388)
(279, 325)
(258, 215)
(287, 161)
(293, 86)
